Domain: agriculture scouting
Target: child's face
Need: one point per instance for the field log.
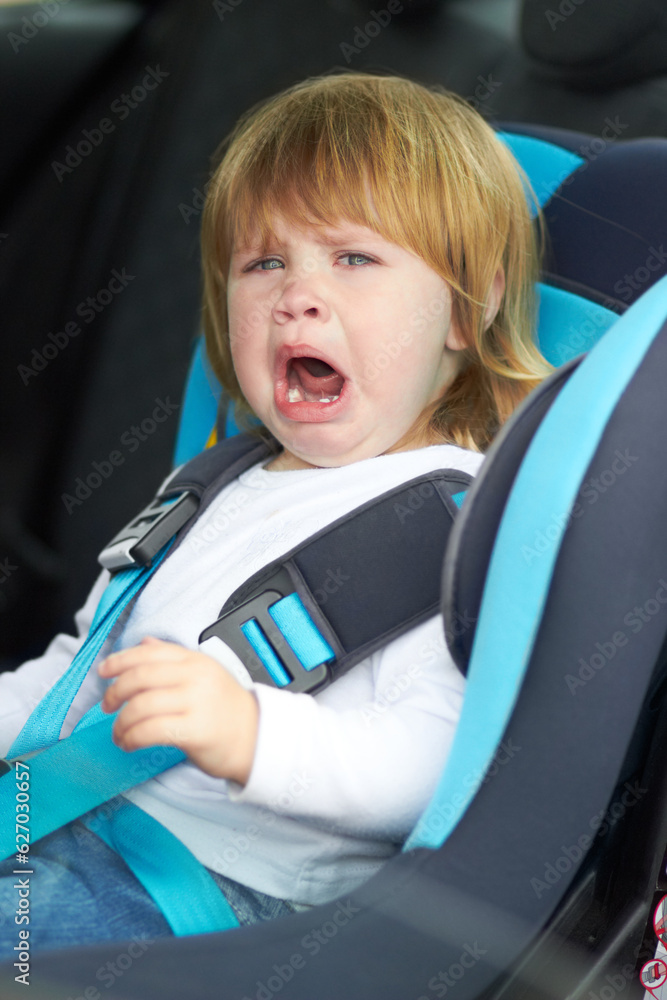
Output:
(373, 311)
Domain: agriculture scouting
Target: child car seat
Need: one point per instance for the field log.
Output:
(534, 763)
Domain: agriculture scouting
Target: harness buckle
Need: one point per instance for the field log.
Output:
(142, 538)
(258, 629)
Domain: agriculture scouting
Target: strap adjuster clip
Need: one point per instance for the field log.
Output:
(142, 538)
(258, 629)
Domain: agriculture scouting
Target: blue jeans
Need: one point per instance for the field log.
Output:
(82, 891)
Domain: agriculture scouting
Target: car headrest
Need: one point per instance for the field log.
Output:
(595, 44)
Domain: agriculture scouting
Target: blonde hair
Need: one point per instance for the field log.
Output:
(423, 169)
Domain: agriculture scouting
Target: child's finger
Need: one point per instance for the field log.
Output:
(143, 707)
(143, 677)
(152, 651)
(157, 731)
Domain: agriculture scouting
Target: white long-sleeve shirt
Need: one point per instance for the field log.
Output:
(340, 777)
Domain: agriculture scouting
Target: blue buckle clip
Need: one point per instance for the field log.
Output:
(275, 637)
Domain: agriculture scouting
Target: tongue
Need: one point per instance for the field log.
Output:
(317, 376)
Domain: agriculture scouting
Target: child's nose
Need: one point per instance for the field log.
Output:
(301, 298)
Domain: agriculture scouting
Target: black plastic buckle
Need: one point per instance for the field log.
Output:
(228, 628)
(141, 540)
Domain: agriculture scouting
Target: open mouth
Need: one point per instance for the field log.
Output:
(311, 380)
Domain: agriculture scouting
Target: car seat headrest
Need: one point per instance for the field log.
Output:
(596, 43)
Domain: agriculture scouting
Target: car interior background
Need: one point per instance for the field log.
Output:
(111, 112)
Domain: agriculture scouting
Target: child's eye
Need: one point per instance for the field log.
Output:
(357, 257)
(270, 261)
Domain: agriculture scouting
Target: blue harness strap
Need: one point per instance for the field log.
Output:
(95, 770)
(71, 777)
(43, 726)
(189, 898)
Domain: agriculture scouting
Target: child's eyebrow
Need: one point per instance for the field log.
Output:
(338, 237)
(345, 236)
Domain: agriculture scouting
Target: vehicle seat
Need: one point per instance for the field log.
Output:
(478, 905)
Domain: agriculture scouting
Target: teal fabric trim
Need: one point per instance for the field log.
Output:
(78, 774)
(255, 636)
(458, 498)
(308, 643)
(231, 427)
(199, 408)
(546, 164)
(516, 588)
(192, 903)
(568, 324)
(43, 726)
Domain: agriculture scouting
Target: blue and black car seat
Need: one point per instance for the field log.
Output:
(535, 869)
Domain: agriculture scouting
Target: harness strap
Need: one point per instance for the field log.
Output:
(348, 590)
(386, 590)
(96, 770)
(190, 899)
(43, 726)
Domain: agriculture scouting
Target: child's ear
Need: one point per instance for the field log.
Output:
(494, 298)
(454, 340)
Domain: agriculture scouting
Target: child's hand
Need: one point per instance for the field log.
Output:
(173, 696)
